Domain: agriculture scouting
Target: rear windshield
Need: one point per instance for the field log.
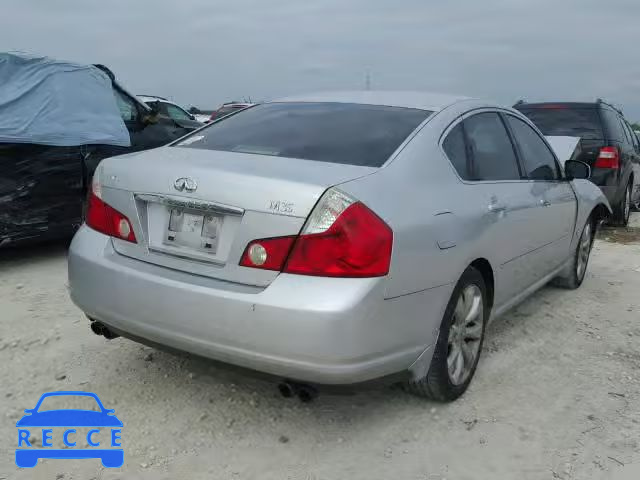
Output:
(566, 121)
(343, 133)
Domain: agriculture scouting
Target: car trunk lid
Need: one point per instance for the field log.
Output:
(196, 210)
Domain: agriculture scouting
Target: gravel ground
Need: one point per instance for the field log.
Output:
(557, 393)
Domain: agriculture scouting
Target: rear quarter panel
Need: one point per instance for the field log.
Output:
(433, 215)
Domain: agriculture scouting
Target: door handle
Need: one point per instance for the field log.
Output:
(545, 203)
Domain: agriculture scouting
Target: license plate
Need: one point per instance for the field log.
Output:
(193, 230)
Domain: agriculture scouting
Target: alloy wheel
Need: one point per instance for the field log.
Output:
(465, 334)
(627, 204)
(584, 249)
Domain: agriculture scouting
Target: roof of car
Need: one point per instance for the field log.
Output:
(407, 99)
(148, 99)
(237, 104)
(551, 104)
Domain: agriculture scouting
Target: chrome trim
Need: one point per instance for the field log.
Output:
(197, 256)
(187, 203)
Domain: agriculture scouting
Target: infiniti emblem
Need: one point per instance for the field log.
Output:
(187, 184)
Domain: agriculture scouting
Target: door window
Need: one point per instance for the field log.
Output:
(492, 154)
(537, 158)
(127, 107)
(176, 112)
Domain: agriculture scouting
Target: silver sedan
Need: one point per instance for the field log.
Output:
(335, 238)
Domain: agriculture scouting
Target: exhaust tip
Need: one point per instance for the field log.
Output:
(102, 330)
(286, 389)
(305, 393)
(97, 327)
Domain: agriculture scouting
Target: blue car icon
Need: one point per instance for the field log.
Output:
(69, 418)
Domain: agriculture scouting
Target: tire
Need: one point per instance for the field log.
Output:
(580, 259)
(441, 383)
(622, 211)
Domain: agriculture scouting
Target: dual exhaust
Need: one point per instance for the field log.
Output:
(102, 330)
(288, 389)
(306, 393)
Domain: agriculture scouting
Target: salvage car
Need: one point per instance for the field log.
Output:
(58, 120)
(607, 144)
(335, 238)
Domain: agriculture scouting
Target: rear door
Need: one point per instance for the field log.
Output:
(556, 205)
(489, 166)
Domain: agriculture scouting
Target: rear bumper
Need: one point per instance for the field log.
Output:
(319, 330)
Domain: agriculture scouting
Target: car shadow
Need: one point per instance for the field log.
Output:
(13, 257)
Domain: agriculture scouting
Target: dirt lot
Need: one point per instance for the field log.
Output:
(557, 393)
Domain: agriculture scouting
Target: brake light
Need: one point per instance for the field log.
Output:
(105, 219)
(342, 238)
(609, 157)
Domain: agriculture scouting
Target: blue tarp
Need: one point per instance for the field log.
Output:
(49, 102)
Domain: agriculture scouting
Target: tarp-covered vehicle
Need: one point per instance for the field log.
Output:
(57, 121)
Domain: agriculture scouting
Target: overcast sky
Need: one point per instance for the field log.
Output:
(205, 52)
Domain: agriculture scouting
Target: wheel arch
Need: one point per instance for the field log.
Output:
(485, 269)
(600, 213)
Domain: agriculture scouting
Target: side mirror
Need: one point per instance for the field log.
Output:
(575, 169)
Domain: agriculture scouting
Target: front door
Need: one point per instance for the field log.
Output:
(556, 205)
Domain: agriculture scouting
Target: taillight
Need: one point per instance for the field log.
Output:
(268, 253)
(609, 157)
(342, 238)
(105, 219)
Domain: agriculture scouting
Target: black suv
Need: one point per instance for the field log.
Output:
(608, 145)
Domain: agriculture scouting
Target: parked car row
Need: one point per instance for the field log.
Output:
(336, 238)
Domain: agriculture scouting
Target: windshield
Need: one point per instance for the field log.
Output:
(566, 121)
(345, 133)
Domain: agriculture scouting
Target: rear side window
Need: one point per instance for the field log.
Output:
(614, 129)
(455, 147)
(345, 133)
(632, 136)
(491, 150)
(562, 120)
(539, 162)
